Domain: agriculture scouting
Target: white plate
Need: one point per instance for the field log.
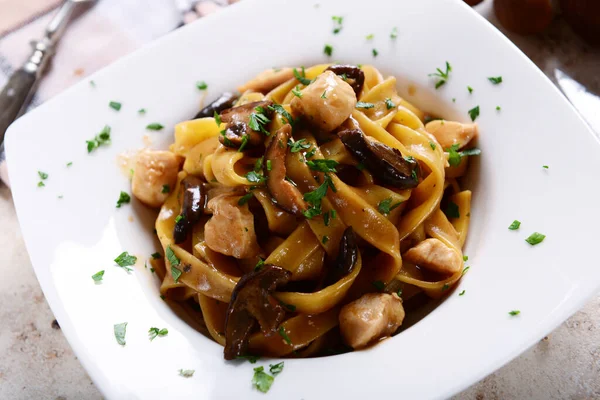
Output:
(463, 340)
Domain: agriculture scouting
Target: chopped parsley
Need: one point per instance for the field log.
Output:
(301, 77)
(258, 120)
(155, 126)
(41, 184)
(394, 33)
(514, 312)
(92, 84)
(337, 24)
(269, 166)
(97, 277)
(284, 335)
(43, 175)
(452, 210)
(385, 206)
(432, 145)
(115, 105)
(259, 264)
(441, 76)
(370, 36)
(244, 199)
(296, 92)
(454, 157)
(316, 196)
(154, 332)
(375, 52)
(255, 177)
(276, 369)
(124, 198)
(201, 85)
(142, 111)
(498, 108)
(120, 331)
(465, 258)
(298, 145)
(535, 238)
(178, 218)
(328, 49)
(244, 143)
(545, 166)
(217, 118)
(328, 216)
(470, 152)
(462, 293)
(325, 239)
(470, 89)
(445, 287)
(362, 104)
(69, 163)
(124, 260)
(379, 285)
(186, 373)
(101, 139)
(465, 270)
(324, 94)
(261, 380)
(322, 165)
(174, 261)
(155, 256)
(495, 80)
(165, 189)
(389, 103)
(474, 113)
(515, 225)
(279, 109)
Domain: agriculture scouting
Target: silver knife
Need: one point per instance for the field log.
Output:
(17, 93)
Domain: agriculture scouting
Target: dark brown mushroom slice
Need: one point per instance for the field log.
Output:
(237, 119)
(223, 102)
(355, 77)
(252, 302)
(346, 257)
(286, 195)
(387, 164)
(192, 207)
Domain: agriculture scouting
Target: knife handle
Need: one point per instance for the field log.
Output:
(14, 97)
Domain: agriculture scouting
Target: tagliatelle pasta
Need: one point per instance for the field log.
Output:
(309, 210)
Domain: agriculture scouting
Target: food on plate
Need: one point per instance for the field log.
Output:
(310, 213)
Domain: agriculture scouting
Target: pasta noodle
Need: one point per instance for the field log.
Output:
(294, 208)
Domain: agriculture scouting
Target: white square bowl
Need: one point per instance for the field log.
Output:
(464, 339)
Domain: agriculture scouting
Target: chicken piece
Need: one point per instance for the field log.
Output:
(371, 317)
(152, 172)
(230, 231)
(327, 102)
(435, 256)
(267, 80)
(448, 133)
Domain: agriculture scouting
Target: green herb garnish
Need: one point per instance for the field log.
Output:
(120, 331)
(102, 138)
(201, 85)
(322, 165)
(244, 199)
(370, 36)
(261, 380)
(278, 108)
(362, 104)
(442, 77)
(255, 177)
(389, 103)
(124, 198)
(97, 277)
(302, 77)
(515, 225)
(495, 80)
(186, 373)
(115, 105)
(470, 89)
(474, 113)
(385, 206)
(124, 260)
(276, 369)
(432, 145)
(452, 210)
(155, 126)
(284, 335)
(298, 145)
(535, 238)
(394, 33)
(154, 332)
(514, 312)
(328, 49)
(165, 189)
(375, 52)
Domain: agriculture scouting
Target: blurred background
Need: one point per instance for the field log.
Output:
(562, 37)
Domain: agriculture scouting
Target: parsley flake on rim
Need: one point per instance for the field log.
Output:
(370, 36)
(41, 184)
(328, 50)
(155, 332)
(186, 373)
(115, 105)
(362, 104)
(337, 24)
(394, 33)
(97, 277)
(375, 52)
(474, 113)
(155, 126)
(442, 77)
(155, 256)
(462, 293)
(201, 85)
(515, 225)
(495, 80)
(545, 166)
(498, 108)
(261, 380)
(43, 175)
(69, 163)
(120, 331)
(124, 198)
(124, 260)
(276, 369)
(535, 238)
(514, 312)
(103, 138)
(470, 89)
(142, 111)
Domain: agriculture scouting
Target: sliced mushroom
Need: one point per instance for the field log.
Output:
(268, 80)
(326, 103)
(223, 102)
(192, 207)
(237, 119)
(286, 195)
(346, 257)
(252, 302)
(385, 163)
(355, 77)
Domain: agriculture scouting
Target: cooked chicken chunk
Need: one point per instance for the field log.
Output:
(230, 231)
(153, 170)
(435, 256)
(267, 80)
(448, 133)
(327, 102)
(371, 317)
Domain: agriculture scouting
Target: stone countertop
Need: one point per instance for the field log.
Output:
(37, 361)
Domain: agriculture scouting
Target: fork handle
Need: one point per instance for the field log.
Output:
(14, 97)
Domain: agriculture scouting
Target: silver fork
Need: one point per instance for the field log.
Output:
(17, 93)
